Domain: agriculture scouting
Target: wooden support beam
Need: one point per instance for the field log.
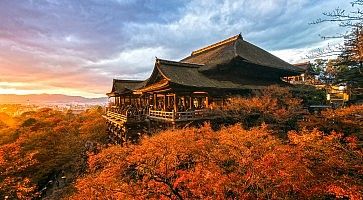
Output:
(165, 102)
(199, 99)
(169, 101)
(190, 102)
(206, 101)
(175, 103)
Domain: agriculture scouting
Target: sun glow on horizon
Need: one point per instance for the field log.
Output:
(15, 88)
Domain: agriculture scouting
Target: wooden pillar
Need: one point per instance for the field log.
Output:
(169, 101)
(206, 101)
(190, 102)
(175, 103)
(155, 100)
(199, 101)
(165, 101)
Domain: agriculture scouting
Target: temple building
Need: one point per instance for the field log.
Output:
(307, 77)
(187, 90)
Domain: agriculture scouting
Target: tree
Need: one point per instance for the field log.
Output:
(274, 105)
(350, 53)
(232, 163)
(347, 121)
(46, 145)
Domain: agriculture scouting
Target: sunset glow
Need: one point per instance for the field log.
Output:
(77, 47)
(181, 99)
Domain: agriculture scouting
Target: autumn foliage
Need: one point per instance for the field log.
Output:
(319, 156)
(276, 106)
(348, 121)
(37, 146)
(232, 163)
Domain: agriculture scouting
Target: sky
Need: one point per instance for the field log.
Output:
(76, 47)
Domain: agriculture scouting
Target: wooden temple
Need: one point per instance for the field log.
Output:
(187, 90)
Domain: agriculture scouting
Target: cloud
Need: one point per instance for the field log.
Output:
(81, 45)
(304, 54)
(133, 61)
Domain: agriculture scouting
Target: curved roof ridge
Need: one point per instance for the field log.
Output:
(127, 80)
(178, 63)
(217, 44)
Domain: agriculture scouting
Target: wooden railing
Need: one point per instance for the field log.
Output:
(157, 115)
(177, 116)
(161, 114)
(123, 118)
(116, 116)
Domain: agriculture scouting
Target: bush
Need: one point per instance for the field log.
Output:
(45, 144)
(309, 95)
(232, 163)
(274, 105)
(348, 121)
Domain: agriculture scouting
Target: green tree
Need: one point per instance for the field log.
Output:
(349, 54)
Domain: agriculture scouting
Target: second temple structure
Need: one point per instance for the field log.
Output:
(182, 91)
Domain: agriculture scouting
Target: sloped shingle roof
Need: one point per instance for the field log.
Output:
(189, 75)
(188, 72)
(226, 50)
(124, 86)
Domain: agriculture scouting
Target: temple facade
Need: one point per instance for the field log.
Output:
(187, 90)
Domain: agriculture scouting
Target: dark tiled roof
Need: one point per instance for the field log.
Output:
(124, 86)
(303, 66)
(224, 51)
(187, 74)
(306, 67)
(214, 54)
(190, 71)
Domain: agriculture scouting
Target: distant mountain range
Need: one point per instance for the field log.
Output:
(48, 99)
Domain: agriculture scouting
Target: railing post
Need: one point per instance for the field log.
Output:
(173, 115)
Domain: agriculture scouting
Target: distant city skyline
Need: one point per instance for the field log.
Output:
(78, 47)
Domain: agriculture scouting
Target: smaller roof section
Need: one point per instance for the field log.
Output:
(306, 67)
(124, 86)
(303, 66)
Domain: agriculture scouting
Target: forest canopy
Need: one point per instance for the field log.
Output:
(39, 146)
(232, 163)
(268, 147)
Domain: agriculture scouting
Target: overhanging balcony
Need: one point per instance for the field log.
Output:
(118, 117)
(178, 116)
